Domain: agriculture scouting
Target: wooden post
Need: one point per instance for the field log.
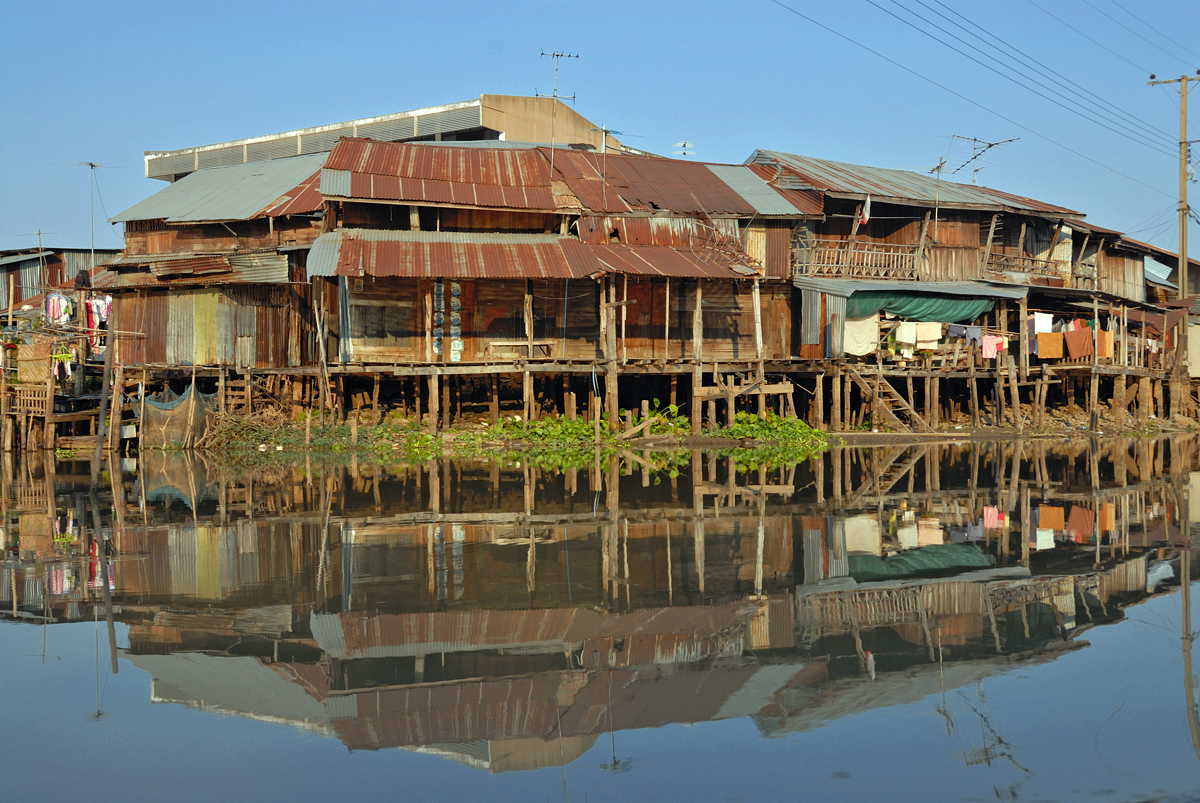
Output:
(494, 400)
(375, 402)
(445, 401)
(836, 393)
(974, 381)
(527, 394)
(819, 400)
(624, 316)
(433, 403)
(611, 402)
(1023, 338)
(853, 234)
(1018, 419)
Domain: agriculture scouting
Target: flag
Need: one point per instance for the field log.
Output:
(865, 214)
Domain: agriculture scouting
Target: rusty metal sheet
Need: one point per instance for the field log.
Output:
(304, 198)
(679, 262)
(493, 178)
(809, 202)
(608, 183)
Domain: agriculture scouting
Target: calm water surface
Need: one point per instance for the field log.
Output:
(956, 621)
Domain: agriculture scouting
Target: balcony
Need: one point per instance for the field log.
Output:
(846, 260)
(999, 263)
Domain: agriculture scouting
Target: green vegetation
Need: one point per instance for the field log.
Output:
(551, 443)
(777, 441)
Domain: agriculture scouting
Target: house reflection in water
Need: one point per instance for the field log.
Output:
(508, 618)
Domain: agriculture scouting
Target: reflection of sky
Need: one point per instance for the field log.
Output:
(1106, 717)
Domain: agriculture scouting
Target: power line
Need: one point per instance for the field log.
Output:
(1135, 33)
(969, 100)
(1132, 136)
(1152, 28)
(1046, 71)
(1140, 68)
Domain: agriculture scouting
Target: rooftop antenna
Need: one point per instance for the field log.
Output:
(92, 167)
(558, 56)
(978, 148)
(45, 280)
(687, 148)
(937, 192)
(604, 132)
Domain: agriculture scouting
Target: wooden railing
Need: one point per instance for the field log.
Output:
(1023, 264)
(856, 260)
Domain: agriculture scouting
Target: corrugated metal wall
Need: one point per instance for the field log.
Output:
(247, 327)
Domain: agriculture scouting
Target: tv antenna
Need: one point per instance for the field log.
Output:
(558, 56)
(45, 280)
(92, 168)
(978, 148)
(688, 148)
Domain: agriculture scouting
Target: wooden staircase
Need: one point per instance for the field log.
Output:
(892, 408)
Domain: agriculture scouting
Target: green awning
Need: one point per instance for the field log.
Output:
(918, 306)
(933, 559)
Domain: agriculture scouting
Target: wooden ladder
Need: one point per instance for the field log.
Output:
(890, 403)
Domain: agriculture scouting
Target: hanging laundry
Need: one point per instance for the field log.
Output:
(956, 330)
(1106, 344)
(991, 346)
(928, 334)
(861, 335)
(1079, 343)
(975, 334)
(1030, 335)
(1042, 322)
(1050, 345)
(906, 332)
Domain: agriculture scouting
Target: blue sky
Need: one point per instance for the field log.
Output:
(104, 82)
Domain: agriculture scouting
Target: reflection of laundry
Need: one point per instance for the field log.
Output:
(908, 536)
(958, 535)
(929, 532)
(1050, 517)
(1050, 345)
(975, 531)
(1080, 523)
(862, 534)
(1045, 539)
(993, 517)
(1108, 517)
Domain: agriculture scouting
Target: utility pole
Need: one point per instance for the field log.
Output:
(1184, 148)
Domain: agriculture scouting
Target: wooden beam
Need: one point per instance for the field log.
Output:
(987, 250)
(921, 243)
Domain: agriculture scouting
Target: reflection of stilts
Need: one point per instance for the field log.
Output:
(1189, 679)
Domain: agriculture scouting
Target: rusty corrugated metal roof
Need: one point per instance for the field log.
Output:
(900, 186)
(304, 198)
(810, 202)
(390, 171)
(608, 183)
(266, 266)
(433, 255)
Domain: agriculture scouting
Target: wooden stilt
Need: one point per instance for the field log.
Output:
(433, 402)
(446, 381)
(836, 392)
